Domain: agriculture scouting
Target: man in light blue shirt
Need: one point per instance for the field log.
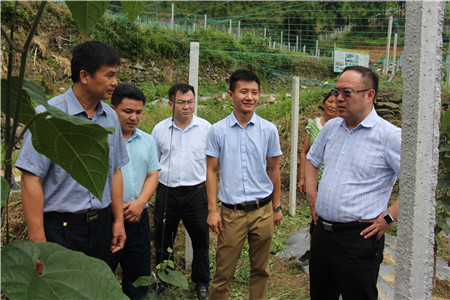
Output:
(57, 208)
(361, 152)
(140, 178)
(239, 148)
(181, 194)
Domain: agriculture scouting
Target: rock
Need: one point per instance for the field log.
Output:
(391, 105)
(288, 95)
(224, 96)
(271, 99)
(61, 89)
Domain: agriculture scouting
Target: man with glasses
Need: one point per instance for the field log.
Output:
(181, 194)
(361, 152)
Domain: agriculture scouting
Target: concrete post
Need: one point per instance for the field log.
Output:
(265, 32)
(281, 41)
(317, 47)
(230, 31)
(394, 55)
(448, 71)
(296, 44)
(193, 80)
(206, 18)
(239, 31)
(294, 146)
(304, 48)
(420, 141)
(388, 46)
(172, 17)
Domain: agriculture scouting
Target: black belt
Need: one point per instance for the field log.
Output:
(249, 206)
(187, 188)
(87, 216)
(335, 226)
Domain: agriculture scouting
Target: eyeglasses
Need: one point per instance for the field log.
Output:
(345, 93)
(183, 103)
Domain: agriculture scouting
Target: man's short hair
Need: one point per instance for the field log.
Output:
(91, 56)
(242, 74)
(369, 77)
(127, 90)
(180, 87)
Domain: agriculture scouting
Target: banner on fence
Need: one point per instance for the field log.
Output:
(349, 57)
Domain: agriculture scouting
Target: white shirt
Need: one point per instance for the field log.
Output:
(181, 153)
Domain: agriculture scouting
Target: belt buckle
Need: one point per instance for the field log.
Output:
(327, 226)
(91, 216)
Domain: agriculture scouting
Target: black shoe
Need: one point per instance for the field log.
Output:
(304, 259)
(202, 291)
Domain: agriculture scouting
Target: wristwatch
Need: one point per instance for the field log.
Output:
(277, 208)
(389, 219)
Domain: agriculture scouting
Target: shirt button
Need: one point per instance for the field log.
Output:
(329, 189)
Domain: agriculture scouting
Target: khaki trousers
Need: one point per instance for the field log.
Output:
(257, 226)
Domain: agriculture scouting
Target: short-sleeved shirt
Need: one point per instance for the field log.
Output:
(313, 128)
(61, 192)
(143, 159)
(242, 153)
(181, 152)
(361, 167)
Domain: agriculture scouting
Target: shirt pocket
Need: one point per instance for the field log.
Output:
(198, 153)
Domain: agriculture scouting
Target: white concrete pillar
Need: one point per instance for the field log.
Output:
(230, 30)
(304, 48)
(388, 46)
(448, 73)
(239, 31)
(206, 18)
(193, 80)
(265, 32)
(317, 47)
(172, 17)
(420, 141)
(281, 41)
(394, 55)
(294, 146)
(296, 44)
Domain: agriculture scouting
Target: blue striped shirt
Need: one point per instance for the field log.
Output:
(242, 153)
(361, 167)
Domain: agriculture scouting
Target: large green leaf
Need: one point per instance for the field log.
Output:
(67, 274)
(35, 91)
(87, 13)
(133, 9)
(81, 148)
(175, 278)
(446, 119)
(144, 281)
(26, 108)
(5, 190)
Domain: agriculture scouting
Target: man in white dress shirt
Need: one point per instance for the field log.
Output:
(181, 193)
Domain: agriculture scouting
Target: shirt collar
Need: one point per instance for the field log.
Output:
(369, 121)
(74, 107)
(194, 122)
(136, 134)
(234, 121)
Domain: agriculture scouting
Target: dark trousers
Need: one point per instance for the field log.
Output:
(192, 208)
(134, 258)
(92, 238)
(344, 262)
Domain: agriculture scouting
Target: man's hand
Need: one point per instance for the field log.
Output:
(378, 227)
(132, 211)
(277, 216)
(312, 210)
(302, 186)
(215, 222)
(118, 238)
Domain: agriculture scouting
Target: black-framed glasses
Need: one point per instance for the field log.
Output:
(183, 103)
(346, 93)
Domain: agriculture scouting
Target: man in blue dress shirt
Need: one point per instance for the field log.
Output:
(361, 152)
(239, 148)
(181, 194)
(56, 207)
(140, 178)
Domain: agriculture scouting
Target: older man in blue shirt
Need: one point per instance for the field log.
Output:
(361, 152)
(56, 207)
(239, 147)
(140, 178)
